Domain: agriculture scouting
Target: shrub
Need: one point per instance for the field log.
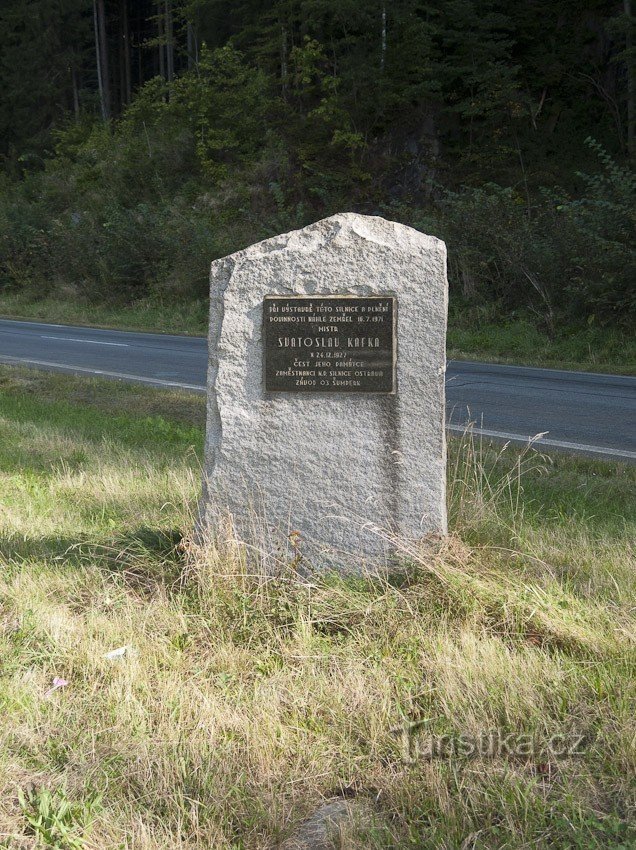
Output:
(554, 254)
(501, 249)
(142, 207)
(599, 230)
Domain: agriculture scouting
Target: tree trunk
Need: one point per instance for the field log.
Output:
(191, 48)
(631, 87)
(103, 49)
(126, 84)
(121, 48)
(101, 54)
(283, 62)
(169, 41)
(161, 42)
(76, 100)
(383, 42)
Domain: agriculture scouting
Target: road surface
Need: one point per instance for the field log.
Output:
(575, 411)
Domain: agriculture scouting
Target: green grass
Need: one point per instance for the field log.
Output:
(472, 334)
(593, 349)
(185, 317)
(239, 704)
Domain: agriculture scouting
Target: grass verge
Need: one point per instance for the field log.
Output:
(233, 706)
(520, 341)
(472, 334)
(184, 317)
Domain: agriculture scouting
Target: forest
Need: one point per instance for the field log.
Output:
(141, 140)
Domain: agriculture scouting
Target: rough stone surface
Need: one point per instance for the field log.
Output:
(328, 825)
(337, 469)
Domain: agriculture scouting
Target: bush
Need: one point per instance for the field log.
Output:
(500, 249)
(574, 257)
(599, 230)
(140, 208)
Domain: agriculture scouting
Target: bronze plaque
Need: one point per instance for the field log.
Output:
(339, 344)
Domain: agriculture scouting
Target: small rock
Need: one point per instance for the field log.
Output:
(117, 653)
(324, 829)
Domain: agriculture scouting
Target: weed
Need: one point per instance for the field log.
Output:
(54, 820)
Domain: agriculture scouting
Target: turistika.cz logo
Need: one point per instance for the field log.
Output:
(419, 744)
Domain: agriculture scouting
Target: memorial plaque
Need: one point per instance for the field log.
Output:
(338, 344)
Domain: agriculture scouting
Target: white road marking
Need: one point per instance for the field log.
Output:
(65, 367)
(88, 341)
(540, 440)
(502, 435)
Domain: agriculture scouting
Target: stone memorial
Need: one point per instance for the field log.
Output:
(325, 419)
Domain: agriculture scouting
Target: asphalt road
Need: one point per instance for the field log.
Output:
(575, 411)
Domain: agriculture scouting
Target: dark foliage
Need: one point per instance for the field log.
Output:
(141, 140)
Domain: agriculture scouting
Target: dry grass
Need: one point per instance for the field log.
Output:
(240, 703)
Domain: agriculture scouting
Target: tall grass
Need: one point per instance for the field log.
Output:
(235, 702)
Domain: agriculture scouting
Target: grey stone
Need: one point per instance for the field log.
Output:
(347, 473)
(327, 827)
